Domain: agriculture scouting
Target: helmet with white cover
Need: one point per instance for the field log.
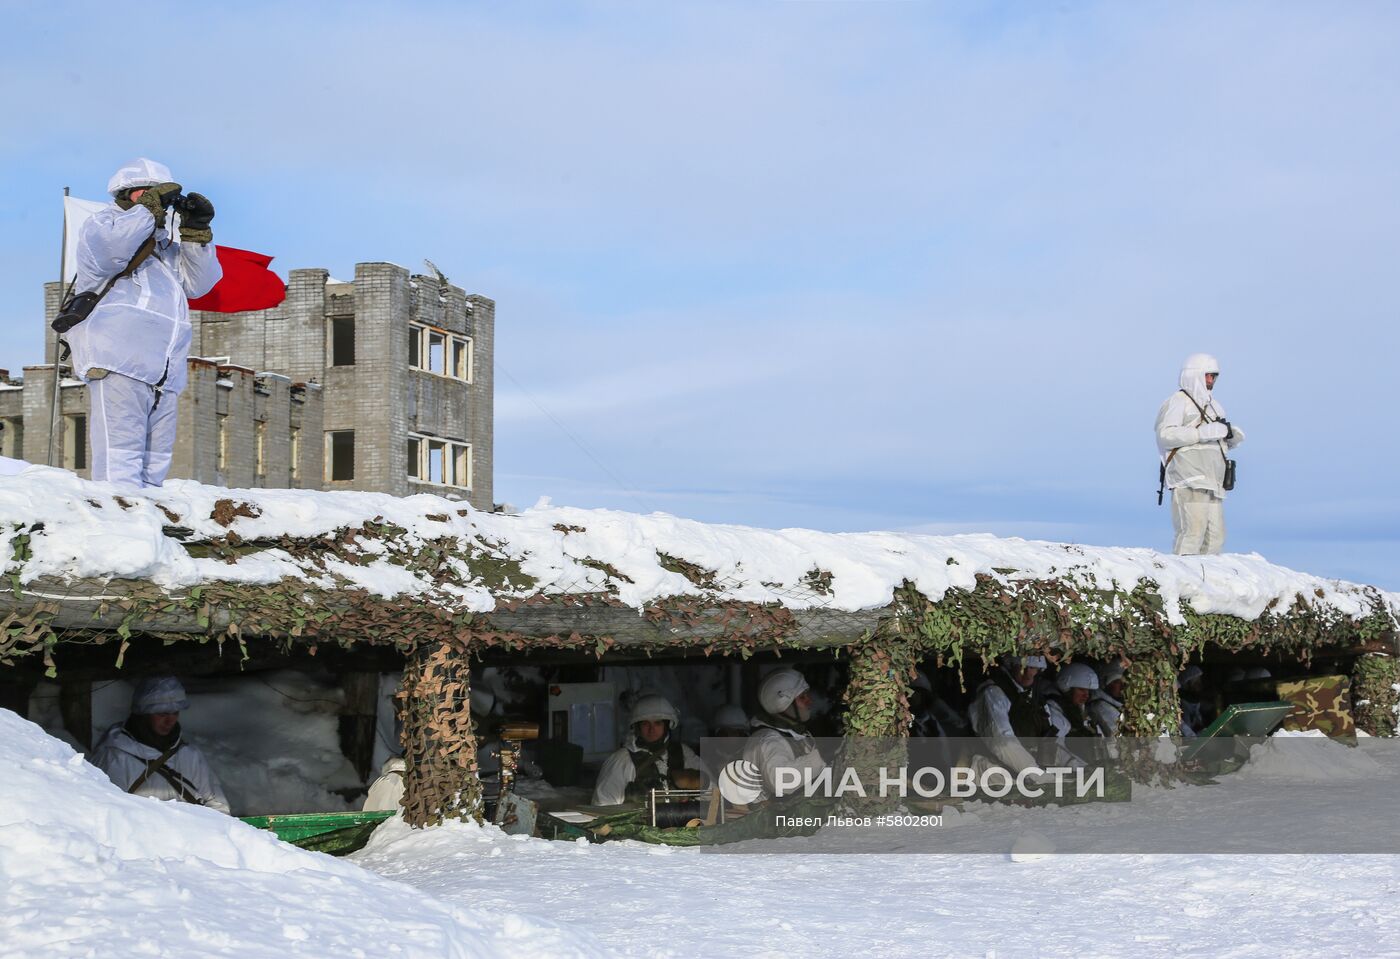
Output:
(137, 173)
(1017, 663)
(780, 688)
(483, 700)
(730, 716)
(158, 694)
(1110, 672)
(655, 708)
(1077, 676)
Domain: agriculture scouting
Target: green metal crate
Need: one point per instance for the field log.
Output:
(335, 833)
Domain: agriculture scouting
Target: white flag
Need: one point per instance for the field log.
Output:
(75, 213)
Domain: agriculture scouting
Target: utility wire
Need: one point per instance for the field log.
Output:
(625, 487)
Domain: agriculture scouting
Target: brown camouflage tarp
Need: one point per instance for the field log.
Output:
(1319, 702)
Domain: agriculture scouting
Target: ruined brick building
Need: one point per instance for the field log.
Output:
(382, 383)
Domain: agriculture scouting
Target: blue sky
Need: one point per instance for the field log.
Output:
(847, 266)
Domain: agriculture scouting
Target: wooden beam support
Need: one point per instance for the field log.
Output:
(357, 720)
(94, 606)
(15, 690)
(75, 705)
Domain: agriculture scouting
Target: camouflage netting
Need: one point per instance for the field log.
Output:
(1375, 693)
(440, 780)
(1063, 618)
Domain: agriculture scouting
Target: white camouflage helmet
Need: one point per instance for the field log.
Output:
(139, 172)
(158, 694)
(780, 688)
(655, 708)
(1077, 676)
(730, 716)
(1109, 672)
(482, 701)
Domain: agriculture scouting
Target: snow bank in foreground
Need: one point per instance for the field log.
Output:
(645, 900)
(87, 870)
(89, 532)
(1307, 756)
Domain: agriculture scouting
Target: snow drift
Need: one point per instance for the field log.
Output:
(86, 870)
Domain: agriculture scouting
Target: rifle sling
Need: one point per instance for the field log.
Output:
(140, 256)
(154, 765)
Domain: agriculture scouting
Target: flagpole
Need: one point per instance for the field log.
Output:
(58, 337)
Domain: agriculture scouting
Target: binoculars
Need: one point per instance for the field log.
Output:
(176, 201)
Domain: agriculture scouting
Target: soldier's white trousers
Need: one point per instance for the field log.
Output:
(1198, 517)
(131, 436)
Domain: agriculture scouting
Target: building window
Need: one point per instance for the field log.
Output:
(12, 438)
(75, 439)
(295, 455)
(462, 359)
(221, 461)
(438, 351)
(340, 455)
(260, 438)
(342, 341)
(440, 462)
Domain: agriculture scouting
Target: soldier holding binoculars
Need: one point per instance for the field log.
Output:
(128, 324)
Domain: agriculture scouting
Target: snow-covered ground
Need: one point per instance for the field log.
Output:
(648, 901)
(641, 900)
(88, 871)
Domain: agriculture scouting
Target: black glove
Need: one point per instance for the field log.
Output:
(1229, 430)
(157, 198)
(195, 213)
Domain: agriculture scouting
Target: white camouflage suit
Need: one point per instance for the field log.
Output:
(771, 748)
(124, 760)
(1193, 443)
(620, 770)
(139, 333)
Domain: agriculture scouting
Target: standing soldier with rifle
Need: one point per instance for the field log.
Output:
(127, 321)
(1194, 439)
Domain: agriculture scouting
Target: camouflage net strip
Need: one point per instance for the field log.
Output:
(1059, 617)
(440, 780)
(1375, 694)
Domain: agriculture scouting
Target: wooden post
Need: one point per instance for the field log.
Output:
(1151, 701)
(440, 779)
(877, 710)
(14, 694)
(75, 703)
(357, 720)
(877, 698)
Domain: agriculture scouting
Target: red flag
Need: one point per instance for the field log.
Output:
(247, 284)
